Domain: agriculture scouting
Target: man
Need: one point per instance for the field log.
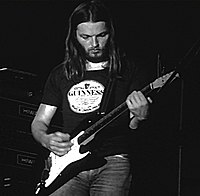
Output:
(77, 86)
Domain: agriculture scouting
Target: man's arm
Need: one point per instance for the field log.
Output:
(59, 143)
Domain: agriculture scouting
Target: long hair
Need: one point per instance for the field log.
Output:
(74, 62)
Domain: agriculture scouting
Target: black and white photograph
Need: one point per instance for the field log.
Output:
(99, 98)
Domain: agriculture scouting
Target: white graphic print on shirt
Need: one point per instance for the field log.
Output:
(85, 96)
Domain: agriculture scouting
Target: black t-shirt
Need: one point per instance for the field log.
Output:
(81, 100)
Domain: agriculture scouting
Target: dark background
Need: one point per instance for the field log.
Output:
(33, 32)
(32, 36)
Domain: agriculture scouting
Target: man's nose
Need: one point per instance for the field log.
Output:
(95, 42)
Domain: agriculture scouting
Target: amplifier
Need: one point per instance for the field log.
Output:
(20, 85)
(19, 170)
(15, 124)
(13, 157)
(21, 156)
(24, 110)
(16, 181)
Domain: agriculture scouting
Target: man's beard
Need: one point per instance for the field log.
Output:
(94, 59)
(97, 58)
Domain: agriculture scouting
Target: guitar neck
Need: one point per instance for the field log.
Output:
(108, 118)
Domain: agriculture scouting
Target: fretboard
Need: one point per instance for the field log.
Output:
(108, 118)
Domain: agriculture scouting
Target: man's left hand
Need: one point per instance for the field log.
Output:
(138, 104)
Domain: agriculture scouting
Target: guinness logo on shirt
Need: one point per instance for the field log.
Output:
(85, 96)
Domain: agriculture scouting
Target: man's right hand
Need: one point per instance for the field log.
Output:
(59, 143)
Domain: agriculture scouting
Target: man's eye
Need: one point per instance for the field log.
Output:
(103, 34)
(85, 36)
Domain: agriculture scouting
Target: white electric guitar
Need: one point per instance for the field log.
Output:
(61, 169)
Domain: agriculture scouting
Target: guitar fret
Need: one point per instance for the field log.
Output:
(107, 116)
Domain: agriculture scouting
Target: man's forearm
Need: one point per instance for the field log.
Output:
(39, 131)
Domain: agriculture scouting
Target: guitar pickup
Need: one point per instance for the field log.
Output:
(83, 139)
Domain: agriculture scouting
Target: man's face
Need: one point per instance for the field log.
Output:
(93, 37)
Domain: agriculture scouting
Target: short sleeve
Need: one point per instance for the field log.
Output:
(52, 93)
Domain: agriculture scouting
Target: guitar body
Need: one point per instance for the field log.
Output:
(58, 164)
(61, 169)
(64, 176)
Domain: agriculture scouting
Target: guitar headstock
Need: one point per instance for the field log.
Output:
(159, 82)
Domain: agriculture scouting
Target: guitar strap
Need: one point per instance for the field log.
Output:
(107, 95)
